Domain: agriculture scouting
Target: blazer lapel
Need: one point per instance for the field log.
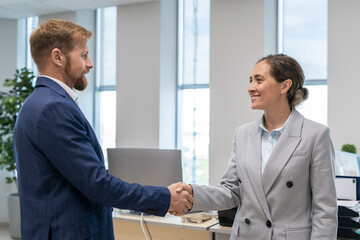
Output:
(288, 142)
(254, 169)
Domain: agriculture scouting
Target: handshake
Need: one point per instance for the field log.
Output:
(182, 198)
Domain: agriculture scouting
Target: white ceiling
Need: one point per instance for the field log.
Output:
(13, 9)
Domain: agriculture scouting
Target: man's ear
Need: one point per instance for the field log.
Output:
(285, 86)
(57, 57)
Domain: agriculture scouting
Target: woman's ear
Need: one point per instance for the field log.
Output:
(285, 86)
(57, 57)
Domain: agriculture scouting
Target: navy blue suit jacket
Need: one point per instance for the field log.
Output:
(65, 190)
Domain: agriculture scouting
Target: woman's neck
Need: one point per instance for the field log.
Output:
(276, 118)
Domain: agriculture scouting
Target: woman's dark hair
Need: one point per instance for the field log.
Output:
(283, 67)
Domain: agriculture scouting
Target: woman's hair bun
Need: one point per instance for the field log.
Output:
(305, 93)
(300, 95)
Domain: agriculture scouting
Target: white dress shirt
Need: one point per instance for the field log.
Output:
(269, 140)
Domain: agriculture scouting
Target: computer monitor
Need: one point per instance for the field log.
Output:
(347, 164)
(155, 167)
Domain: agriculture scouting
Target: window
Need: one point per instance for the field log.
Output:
(31, 24)
(193, 89)
(105, 107)
(303, 36)
(25, 26)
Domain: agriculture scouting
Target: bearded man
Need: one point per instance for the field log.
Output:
(65, 190)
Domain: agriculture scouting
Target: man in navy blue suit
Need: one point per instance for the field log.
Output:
(65, 190)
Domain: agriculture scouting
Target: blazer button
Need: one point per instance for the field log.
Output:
(247, 221)
(289, 184)
(268, 224)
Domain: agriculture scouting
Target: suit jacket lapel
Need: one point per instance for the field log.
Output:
(254, 169)
(288, 142)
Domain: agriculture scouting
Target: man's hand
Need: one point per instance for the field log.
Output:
(183, 186)
(181, 201)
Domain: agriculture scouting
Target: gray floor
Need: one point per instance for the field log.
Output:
(4, 233)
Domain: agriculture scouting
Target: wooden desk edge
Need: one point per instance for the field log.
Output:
(220, 229)
(168, 220)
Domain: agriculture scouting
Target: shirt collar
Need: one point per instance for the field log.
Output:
(69, 90)
(280, 129)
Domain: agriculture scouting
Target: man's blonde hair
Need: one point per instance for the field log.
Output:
(53, 33)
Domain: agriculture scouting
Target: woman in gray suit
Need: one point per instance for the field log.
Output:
(280, 174)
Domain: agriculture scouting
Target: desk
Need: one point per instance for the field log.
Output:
(220, 232)
(220, 229)
(170, 227)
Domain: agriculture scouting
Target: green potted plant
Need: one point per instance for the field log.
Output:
(349, 148)
(20, 87)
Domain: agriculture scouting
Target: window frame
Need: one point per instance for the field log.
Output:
(99, 66)
(181, 83)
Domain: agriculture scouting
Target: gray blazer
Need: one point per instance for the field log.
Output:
(294, 199)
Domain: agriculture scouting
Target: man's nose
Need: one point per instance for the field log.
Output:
(89, 63)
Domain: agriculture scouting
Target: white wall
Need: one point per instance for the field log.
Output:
(168, 74)
(138, 75)
(147, 75)
(343, 72)
(236, 43)
(7, 69)
(7, 49)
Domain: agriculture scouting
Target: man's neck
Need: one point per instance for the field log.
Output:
(57, 75)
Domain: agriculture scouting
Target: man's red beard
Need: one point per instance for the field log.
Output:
(80, 83)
